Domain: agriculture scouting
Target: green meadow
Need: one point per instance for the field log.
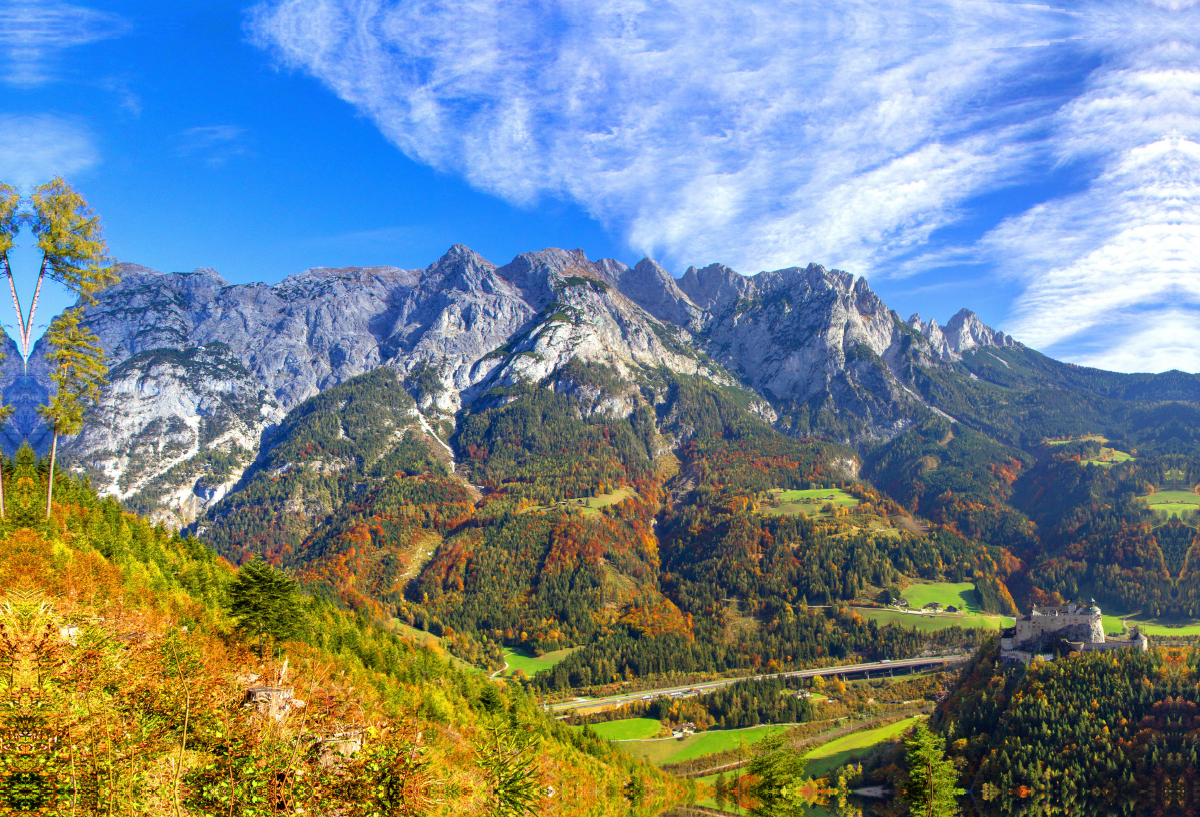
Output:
(628, 729)
(587, 505)
(531, 664)
(1173, 501)
(928, 622)
(808, 501)
(1154, 627)
(961, 594)
(676, 750)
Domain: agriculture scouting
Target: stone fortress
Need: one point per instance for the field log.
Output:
(1041, 630)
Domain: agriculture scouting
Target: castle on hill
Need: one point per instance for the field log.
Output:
(1042, 628)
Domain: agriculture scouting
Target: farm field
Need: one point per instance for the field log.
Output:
(829, 756)
(808, 501)
(532, 664)
(961, 594)
(928, 622)
(1173, 501)
(628, 729)
(659, 752)
(586, 505)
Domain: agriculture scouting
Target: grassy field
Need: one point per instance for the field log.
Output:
(829, 756)
(1112, 625)
(659, 752)
(1157, 627)
(808, 501)
(1173, 501)
(534, 664)
(961, 594)
(587, 505)
(628, 729)
(928, 622)
(1108, 456)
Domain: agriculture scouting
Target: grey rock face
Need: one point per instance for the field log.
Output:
(963, 332)
(201, 368)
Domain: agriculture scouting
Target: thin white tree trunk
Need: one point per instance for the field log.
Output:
(27, 329)
(50, 482)
(12, 287)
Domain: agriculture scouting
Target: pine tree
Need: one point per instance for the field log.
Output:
(778, 774)
(930, 790)
(264, 604)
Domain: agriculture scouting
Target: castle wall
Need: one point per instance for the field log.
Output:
(1038, 628)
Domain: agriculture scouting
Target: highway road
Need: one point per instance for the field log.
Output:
(565, 707)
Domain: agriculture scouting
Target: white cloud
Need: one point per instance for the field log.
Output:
(760, 133)
(31, 32)
(1112, 267)
(35, 149)
(764, 133)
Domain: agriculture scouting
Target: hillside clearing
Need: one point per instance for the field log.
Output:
(929, 622)
(531, 664)
(960, 594)
(627, 729)
(808, 501)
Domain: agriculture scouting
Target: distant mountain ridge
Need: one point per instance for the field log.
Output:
(201, 368)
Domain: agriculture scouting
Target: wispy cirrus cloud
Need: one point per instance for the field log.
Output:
(768, 133)
(30, 33)
(36, 148)
(216, 145)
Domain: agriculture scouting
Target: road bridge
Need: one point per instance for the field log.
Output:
(870, 669)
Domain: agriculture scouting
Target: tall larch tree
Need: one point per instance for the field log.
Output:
(10, 224)
(74, 253)
(78, 370)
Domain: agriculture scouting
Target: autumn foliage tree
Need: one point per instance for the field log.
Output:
(77, 371)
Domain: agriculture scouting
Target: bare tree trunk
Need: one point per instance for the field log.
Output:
(1, 488)
(50, 482)
(12, 288)
(27, 329)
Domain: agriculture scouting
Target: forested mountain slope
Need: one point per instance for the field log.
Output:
(124, 682)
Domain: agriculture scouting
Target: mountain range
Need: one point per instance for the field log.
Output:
(201, 369)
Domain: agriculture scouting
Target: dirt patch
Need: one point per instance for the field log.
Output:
(910, 525)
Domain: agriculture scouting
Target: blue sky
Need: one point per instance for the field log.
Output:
(1038, 165)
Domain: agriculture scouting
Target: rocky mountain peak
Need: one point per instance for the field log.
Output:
(714, 286)
(965, 330)
(961, 333)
